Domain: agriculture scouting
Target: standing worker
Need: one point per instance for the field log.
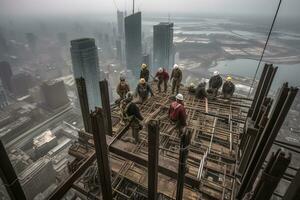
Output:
(215, 83)
(132, 115)
(145, 72)
(143, 90)
(163, 77)
(177, 77)
(228, 88)
(122, 88)
(177, 113)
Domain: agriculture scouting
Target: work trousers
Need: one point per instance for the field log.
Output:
(175, 85)
(165, 85)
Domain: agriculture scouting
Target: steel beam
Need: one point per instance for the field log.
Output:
(106, 106)
(183, 155)
(97, 119)
(63, 188)
(9, 177)
(271, 176)
(293, 191)
(153, 149)
(258, 88)
(283, 104)
(263, 92)
(84, 103)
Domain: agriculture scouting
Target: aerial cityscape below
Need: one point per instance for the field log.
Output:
(87, 98)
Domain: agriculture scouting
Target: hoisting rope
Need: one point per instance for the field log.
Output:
(262, 55)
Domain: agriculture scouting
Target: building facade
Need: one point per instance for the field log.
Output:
(133, 42)
(163, 48)
(85, 64)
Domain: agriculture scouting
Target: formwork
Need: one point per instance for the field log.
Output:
(215, 126)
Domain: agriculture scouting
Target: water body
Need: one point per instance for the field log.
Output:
(246, 68)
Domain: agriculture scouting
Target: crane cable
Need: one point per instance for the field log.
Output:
(262, 55)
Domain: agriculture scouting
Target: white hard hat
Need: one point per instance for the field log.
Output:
(179, 97)
(175, 66)
(192, 85)
(160, 69)
(216, 73)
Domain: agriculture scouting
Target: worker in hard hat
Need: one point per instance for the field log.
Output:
(143, 90)
(215, 83)
(163, 77)
(201, 90)
(144, 72)
(228, 88)
(192, 88)
(122, 88)
(176, 77)
(132, 115)
(177, 113)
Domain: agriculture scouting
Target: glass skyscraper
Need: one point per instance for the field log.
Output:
(163, 48)
(85, 64)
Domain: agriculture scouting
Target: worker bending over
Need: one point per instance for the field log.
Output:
(215, 83)
(122, 88)
(143, 90)
(144, 72)
(228, 88)
(133, 116)
(163, 77)
(201, 90)
(176, 77)
(177, 113)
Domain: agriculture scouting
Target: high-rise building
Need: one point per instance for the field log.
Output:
(119, 50)
(54, 94)
(163, 48)
(85, 64)
(3, 97)
(5, 75)
(120, 18)
(133, 43)
(20, 83)
(32, 41)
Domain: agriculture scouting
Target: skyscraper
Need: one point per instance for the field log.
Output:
(85, 64)
(120, 18)
(133, 43)
(163, 48)
(5, 75)
(3, 97)
(55, 94)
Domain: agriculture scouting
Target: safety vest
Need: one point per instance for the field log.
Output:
(174, 111)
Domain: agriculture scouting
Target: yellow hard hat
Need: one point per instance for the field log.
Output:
(144, 66)
(228, 78)
(142, 81)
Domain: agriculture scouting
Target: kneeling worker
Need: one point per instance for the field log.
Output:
(215, 83)
(177, 113)
(133, 115)
(201, 91)
(143, 89)
(163, 77)
(122, 88)
(228, 88)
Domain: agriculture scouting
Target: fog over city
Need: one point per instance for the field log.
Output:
(208, 61)
(218, 7)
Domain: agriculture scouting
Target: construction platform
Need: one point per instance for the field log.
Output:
(215, 126)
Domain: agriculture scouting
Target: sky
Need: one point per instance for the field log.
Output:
(174, 7)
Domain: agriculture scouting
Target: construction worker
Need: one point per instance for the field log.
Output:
(177, 113)
(132, 115)
(143, 90)
(228, 88)
(163, 77)
(122, 88)
(215, 83)
(192, 88)
(144, 72)
(200, 90)
(176, 77)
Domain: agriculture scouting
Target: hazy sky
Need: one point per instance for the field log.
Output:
(58, 7)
